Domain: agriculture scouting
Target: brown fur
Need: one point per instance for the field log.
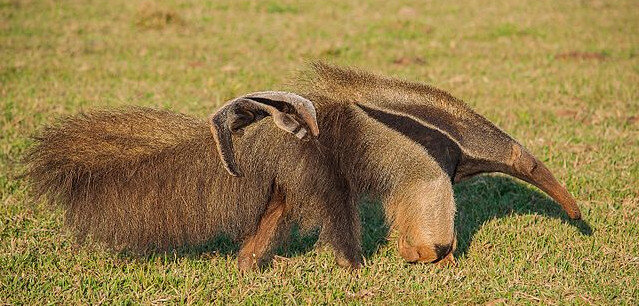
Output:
(142, 178)
(256, 246)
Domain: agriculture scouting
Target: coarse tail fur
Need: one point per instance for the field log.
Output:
(144, 179)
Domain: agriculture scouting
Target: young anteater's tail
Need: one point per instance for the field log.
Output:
(132, 178)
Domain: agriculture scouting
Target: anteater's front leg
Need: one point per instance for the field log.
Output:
(424, 213)
(257, 249)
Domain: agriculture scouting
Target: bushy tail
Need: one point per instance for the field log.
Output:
(131, 178)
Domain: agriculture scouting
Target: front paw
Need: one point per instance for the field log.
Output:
(438, 254)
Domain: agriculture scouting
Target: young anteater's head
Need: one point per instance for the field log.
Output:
(290, 112)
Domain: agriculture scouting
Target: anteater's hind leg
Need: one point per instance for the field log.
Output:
(340, 223)
(341, 226)
(258, 248)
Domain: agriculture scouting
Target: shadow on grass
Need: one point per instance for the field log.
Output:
(374, 233)
(479, 200)
(489, 197)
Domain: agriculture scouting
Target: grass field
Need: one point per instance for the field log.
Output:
(560, 76)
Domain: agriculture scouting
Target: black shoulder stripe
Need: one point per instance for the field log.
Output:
(439, 145)
(434, 116)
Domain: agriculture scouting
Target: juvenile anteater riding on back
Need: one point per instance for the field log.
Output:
(144, 179)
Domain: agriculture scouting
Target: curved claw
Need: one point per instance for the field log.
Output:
(291, 113)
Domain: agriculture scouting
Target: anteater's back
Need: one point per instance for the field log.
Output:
(138, 178)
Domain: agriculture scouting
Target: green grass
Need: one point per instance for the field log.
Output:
(560, 76)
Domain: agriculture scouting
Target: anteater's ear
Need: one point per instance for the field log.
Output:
(291, 113)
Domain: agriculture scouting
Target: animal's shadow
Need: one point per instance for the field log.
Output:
(488, 197)
(479, 200)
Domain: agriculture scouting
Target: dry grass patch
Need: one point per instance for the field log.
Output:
(151, 15)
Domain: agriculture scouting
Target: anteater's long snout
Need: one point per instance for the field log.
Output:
(528, 168)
